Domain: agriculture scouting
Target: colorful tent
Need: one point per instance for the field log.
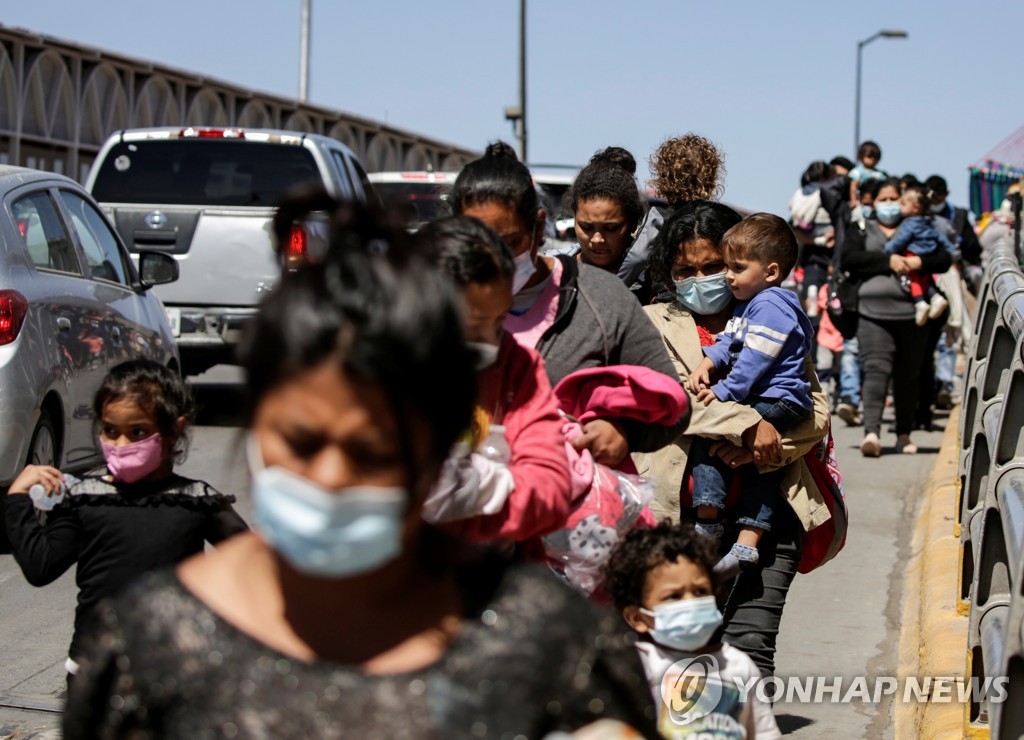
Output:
(995, 172)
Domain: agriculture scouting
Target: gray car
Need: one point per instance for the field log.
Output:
(72, 305)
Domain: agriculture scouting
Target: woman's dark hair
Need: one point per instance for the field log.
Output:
(869, 187)
(618, 156)
(841, 161)
(158, 391)
(890, 182)
(699, 220)
(465, 249)
(816, 172)
(496, 177)
(608, 175)
(644, 549)
(379, 311)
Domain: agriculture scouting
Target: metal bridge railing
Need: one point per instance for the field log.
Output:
(990, 516)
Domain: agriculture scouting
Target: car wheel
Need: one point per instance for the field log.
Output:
(43, 448)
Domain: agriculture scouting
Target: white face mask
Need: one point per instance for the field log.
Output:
(937, 208)
(487, 354)
(524, 271)
(688, 624)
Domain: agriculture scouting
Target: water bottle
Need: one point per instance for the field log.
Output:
(495, 446)
(812, 300)
(46, 503)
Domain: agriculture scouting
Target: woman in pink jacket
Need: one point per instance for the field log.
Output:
(509, 477)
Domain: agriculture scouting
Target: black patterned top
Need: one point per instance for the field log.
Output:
(115, 532)
(532, 658)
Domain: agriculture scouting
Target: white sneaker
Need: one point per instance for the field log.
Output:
(921, 309)
(904, 445)
(937, 305)
(871, 446)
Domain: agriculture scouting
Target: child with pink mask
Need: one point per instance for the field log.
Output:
(132, 516)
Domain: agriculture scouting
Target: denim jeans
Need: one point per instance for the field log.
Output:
(760, 491)
(850, 372)
(945, 364)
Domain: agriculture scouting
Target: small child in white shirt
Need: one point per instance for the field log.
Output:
(662, 580)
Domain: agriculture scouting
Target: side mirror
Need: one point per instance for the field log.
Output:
(157, 268)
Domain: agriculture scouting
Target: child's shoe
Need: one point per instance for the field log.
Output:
(921, 309)
(937, 305)
(739, 558)
(710, 528)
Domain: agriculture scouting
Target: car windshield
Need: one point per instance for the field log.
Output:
(418, 202)
(202, 172)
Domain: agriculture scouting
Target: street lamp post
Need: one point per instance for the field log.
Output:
(517, 113)
(887, 34)
(304, 52)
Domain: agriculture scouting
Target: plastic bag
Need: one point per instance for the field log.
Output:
(611, 507)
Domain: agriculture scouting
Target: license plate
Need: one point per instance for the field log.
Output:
(174, 319)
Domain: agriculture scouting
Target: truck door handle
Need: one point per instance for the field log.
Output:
(63, 323)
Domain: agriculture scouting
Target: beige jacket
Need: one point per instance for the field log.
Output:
(727, 420)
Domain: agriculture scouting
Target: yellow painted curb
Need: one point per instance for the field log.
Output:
(933, 636)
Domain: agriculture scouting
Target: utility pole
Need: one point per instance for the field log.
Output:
(522, 80)
(304, 53)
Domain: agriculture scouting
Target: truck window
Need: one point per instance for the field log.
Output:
(203, 172)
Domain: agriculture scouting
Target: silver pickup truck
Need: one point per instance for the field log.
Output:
(206, 196)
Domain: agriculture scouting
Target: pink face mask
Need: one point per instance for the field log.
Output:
(133, 462)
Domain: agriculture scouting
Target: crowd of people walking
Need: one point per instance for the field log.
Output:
(501, 490)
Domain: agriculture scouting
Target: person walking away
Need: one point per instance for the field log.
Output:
(131, 517)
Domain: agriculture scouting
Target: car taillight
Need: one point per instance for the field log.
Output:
(211, 133)
(296, 251)
(298, 242)
(13, 308)
(23, 227)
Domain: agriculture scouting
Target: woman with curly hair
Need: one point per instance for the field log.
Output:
(684, 169)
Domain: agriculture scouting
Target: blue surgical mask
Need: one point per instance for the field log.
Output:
(888, 213)
(688, 624)
(330, 534)
(704, 296)
(867, 211)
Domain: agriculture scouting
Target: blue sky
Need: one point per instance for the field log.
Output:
(772, 83)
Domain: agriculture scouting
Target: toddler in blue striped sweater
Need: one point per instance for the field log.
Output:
(757, 360)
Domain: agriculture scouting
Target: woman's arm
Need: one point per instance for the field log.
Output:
(937, 262)
(541, 496)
